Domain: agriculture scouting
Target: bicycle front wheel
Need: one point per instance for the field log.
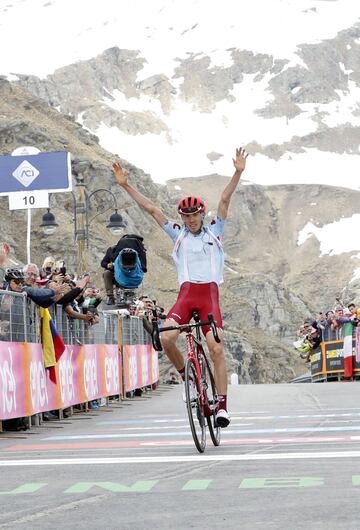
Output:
(211, 402)
(194, 407)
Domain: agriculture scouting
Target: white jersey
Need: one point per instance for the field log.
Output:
(199, 258)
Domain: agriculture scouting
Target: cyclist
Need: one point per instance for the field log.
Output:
(199, 258)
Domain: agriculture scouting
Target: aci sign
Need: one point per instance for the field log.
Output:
(35, 172)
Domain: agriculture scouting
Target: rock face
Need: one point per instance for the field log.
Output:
(271, 282)
(97, 91)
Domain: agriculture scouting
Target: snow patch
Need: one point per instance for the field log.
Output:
(334, 238)
(356, 275)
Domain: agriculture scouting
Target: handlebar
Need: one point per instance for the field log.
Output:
(183, 327)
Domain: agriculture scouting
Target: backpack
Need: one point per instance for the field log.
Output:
(136, 243)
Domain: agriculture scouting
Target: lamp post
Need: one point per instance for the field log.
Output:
(81, 206)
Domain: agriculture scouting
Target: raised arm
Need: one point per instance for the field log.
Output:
(121, 176)
(239, 164)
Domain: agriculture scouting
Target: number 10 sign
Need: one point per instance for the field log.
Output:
(28, 199)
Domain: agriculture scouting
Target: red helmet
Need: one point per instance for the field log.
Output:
(191, 205)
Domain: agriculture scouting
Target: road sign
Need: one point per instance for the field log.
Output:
(33, 172)
(22, 200)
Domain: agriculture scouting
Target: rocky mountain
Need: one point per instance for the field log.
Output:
(282, 109)
(271, 281)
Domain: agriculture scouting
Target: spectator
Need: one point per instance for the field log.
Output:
(48, 264)
(91, 301)
(31, 274)
(107, 263)
(12, 314)
(92, 298)
(354, 311)
(68, 300)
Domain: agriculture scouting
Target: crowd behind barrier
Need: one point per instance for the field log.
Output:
(331, 343)
(110, 359)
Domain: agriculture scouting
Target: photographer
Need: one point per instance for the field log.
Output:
(309, 340)
(145, 309)
(124, 264)
(90, 302)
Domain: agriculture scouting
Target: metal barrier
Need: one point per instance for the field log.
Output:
(106, 359)
(20, 322)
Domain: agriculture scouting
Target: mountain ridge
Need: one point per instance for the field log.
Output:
(271, 283)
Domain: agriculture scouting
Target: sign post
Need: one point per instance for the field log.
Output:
(27, 176)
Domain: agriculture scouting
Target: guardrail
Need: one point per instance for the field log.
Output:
(110, 358)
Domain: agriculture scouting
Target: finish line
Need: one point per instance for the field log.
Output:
(179, 459)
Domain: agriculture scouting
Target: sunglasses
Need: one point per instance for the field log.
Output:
(189, 210)
(18, 282)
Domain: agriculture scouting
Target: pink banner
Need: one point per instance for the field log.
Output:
(83, 373)
(141, 366)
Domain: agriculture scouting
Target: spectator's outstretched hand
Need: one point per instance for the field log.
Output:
(5, 249)
(121, 174)
(240, 159)
(83, 282)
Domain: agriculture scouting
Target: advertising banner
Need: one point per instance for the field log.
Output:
(334, 356)
(140, 366)
(83, 373)
(316, 363)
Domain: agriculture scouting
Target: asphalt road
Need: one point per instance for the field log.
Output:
(290, 459)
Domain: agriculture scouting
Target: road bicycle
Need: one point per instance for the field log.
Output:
(200, 390)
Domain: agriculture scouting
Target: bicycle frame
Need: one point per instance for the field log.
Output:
(198, 373)
(193, 345)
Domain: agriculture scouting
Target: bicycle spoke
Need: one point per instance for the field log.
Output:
(194, 407)
(211, 402)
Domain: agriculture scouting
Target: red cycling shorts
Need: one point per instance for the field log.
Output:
(200, 297)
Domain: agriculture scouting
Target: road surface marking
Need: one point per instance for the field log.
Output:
(281, 482)
(196, 485)
(188, 458)
(168, 443)
(184, 433)
(30, 487)
(140, 486)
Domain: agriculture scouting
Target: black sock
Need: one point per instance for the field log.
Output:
(182, 373)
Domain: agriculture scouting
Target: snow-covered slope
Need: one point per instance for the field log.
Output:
(40, 36)
(58, 32)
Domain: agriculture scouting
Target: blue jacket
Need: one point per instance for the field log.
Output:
(41, 297)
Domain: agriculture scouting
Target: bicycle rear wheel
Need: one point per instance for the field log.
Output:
(194, 407)
(211, 402)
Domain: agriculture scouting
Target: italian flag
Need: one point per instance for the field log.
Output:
(358, 344)
(348, 360)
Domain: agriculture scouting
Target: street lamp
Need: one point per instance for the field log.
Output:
(49, 225)
(81, 206)
(116, 223)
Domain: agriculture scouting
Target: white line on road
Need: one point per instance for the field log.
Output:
(227, 432)
(189, 458)
(234, 416)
